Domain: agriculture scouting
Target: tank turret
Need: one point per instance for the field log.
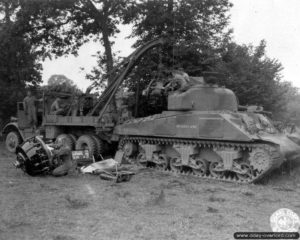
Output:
(203, 98)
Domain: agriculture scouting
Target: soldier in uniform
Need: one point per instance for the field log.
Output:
(56, 108)
(30, 109)
(179, 82)
(64, 154)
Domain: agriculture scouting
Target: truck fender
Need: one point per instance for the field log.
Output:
(12, 127)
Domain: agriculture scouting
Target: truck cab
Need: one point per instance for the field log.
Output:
(19, 128)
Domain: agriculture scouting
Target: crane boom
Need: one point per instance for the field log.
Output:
(126, 65)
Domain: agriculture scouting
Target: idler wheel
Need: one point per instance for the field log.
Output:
(215, 169)
(199, 166)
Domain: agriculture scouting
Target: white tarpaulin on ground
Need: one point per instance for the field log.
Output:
(109, 164)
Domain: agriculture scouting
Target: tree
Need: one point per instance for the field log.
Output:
(194, 31)
(197, 34)
(18, 61)
(292, 109)
(253, 76)
(60, 27)
(60, 83)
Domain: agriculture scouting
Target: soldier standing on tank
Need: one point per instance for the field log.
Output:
(180, 81)
(64, 154)
(30, 109)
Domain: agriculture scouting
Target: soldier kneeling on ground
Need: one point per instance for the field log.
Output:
(64, 154)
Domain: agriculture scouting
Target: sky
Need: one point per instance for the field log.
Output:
(276, 21)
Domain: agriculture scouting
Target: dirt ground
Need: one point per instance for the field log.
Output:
(152, 205)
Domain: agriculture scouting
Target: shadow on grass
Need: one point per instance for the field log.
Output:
(74, 203)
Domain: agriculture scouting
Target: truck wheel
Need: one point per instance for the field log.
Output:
(68, 140)
(87, 142)
(74, 139)
(13, 139)
(99, 145)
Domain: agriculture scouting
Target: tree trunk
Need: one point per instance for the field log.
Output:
(7, 14)
(108, 51)
(170, 18)
(101, 18)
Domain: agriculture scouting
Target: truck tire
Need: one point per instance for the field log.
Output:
(73, 138)
(68, 140)
(87, 142)
(99, 145)
(13, 139)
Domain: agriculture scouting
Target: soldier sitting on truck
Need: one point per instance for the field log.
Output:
(56, 108)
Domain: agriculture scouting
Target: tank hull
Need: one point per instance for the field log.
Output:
(192, 125)
(232, 146)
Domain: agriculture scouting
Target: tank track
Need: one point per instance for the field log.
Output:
(274, 156)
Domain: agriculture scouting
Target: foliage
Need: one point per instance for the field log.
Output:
(253, 76)
(60, 27)
(197, 39)
(18, 61)
(54, 28)
(61, 84)
(293, 110)
(192, 29)
(99, 75)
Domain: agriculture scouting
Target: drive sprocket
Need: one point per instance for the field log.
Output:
(259, 159)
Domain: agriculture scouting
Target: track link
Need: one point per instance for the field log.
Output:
(272, 150)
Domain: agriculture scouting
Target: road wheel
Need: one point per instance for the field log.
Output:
(175, 164)
(162, 162)
(248, 172)
(67, 139)
(141, 159)
(214, 169)
(13, 139)
(199, 166)
(87, 142)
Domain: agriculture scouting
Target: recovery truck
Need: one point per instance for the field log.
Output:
(91, 129)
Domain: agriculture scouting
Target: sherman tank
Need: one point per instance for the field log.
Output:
(206, 133)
